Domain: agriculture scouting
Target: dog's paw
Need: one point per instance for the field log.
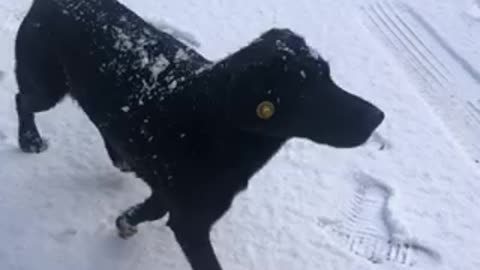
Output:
(31, 142)
(125, 230)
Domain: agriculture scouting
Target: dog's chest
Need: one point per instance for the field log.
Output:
(225, 158)
(180, 154)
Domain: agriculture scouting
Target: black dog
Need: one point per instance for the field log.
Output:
(193, 130)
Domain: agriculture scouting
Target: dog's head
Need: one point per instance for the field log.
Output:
(280, 87)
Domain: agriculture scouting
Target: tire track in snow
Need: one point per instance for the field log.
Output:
(466, 66)
(400, 39)
(448, 83)
(368, 229)
(474, 111)
(415, 42)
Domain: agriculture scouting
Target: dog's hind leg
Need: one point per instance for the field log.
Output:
(33, 98)
(152, 209)
(41, 81)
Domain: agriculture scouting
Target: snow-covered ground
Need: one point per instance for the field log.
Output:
(411, 204)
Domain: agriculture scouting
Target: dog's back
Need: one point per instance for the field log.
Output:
(118, 67)
(101, 44)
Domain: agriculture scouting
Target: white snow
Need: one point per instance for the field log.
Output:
(124, 41)
(159, 66)
(173, 85)
(474, 9)
(181, 55)
(303, 74)
(409, 198)
(282, 46)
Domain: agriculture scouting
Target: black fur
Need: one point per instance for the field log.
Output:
(186, 126)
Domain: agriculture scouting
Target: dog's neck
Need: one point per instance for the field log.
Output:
(201, 98)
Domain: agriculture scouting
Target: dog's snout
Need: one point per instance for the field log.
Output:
(374, 118)
(377, 115)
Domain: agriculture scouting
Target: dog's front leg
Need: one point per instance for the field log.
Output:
(194, 239)
(152, 209)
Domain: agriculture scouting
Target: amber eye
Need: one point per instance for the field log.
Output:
(265, 110)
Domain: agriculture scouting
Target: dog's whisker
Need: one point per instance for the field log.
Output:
(378, 139)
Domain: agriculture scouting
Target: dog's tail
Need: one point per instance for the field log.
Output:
(2, 75)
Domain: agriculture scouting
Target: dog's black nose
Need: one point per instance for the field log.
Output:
(376, 116)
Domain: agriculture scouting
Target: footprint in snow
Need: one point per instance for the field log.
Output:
(368, 229)
(64, 236)
(3, 137)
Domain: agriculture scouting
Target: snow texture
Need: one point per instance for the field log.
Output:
(474, 10)
(407, 199)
